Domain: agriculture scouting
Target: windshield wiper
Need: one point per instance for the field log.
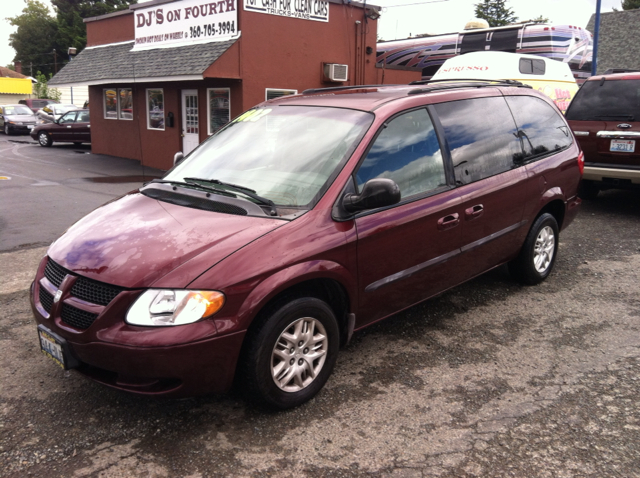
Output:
(202, 187)
(241, 189)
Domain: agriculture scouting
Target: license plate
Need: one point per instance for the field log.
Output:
(30, 126)
(52, 346)
(623, 145)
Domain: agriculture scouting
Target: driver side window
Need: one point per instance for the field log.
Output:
(406, 151)
(68, 118)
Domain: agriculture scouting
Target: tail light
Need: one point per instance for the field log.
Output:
(581, 163)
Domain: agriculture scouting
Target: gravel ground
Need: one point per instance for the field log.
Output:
(488, 379)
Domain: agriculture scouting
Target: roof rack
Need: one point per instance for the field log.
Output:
(463, 83)
(341, 88)
(506, 82)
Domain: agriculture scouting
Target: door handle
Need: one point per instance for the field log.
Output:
(447, 222)
(68, 126)
(474, 212)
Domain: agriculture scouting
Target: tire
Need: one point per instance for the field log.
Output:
(588, 189)
(7, 131)
(44, 139)
(538, 254)
(284, 364)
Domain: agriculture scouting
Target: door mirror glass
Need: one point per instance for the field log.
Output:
(376, 193)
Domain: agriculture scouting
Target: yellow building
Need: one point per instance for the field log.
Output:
(13, 86)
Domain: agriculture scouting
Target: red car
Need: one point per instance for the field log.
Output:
(72, 127)
(303, 220)
(605, 118)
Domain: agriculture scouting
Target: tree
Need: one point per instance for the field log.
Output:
(41, 88)
(34, 40)
(541, 19)
(630, 4)
(70, 14)
(495, 12)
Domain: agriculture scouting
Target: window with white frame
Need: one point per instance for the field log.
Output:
(110, 101)
(272, 93)
(218, 108)
(155, 108)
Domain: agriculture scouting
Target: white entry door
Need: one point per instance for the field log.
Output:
(190, 126)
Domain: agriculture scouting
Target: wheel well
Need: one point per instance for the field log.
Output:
(328, 290)
(556, 209)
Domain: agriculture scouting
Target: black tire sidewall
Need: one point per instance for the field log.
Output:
(260, 357)
(48, 143)
(524, 266)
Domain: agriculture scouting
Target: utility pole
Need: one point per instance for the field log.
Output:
(594, 60)
(55, 61)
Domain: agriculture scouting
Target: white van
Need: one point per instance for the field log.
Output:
(551, 77)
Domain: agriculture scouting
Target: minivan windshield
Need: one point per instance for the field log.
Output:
(286, 154)
(615, 100)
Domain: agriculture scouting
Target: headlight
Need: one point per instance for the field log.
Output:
(162, 307)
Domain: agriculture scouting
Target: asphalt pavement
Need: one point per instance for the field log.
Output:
(490, 379)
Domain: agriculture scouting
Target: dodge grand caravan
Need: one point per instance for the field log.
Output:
(303, 220)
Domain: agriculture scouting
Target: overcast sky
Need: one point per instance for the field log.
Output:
(401, 18)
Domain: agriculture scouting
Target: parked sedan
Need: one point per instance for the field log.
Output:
(72, 127)
(16, 118)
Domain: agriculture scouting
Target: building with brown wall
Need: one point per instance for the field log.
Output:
(158, 86)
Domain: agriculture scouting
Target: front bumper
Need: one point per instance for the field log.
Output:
(176, 361)
(22, 129)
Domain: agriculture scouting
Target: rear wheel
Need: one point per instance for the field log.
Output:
(588, 189)
(44, 139)
(538, 254)
(290, 355)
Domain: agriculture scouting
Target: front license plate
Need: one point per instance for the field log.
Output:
(52, 346)
(30, 127)
(623, 145)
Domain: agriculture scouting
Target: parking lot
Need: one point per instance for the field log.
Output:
(489, 379)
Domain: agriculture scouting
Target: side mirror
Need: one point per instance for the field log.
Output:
(177, 157)
(376, 193)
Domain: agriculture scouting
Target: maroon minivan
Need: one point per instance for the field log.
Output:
(304, 219)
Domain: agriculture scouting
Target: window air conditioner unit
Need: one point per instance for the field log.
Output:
(336, 72)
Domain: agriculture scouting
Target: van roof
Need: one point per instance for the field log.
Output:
(501, 65)
(371, 97)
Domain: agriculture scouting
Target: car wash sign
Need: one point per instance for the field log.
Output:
(185, 23)
(317, 10)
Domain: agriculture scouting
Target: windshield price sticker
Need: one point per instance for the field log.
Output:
(624, 146)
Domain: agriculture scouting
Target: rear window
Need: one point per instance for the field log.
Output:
(606, 100)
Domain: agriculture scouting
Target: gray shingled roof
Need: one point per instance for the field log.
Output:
(619, 42)
(117, 62)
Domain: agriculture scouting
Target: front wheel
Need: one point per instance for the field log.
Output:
(538, 254)
(290, 355)
(44, 139)
(7, 131)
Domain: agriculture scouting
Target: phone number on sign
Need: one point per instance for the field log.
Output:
(210, 29)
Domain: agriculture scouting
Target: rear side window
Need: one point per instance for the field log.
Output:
(406, 151)
(482, 137)
(606, 100)
(541, 129)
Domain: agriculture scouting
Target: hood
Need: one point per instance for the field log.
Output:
(134, 241)
(21, 118)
